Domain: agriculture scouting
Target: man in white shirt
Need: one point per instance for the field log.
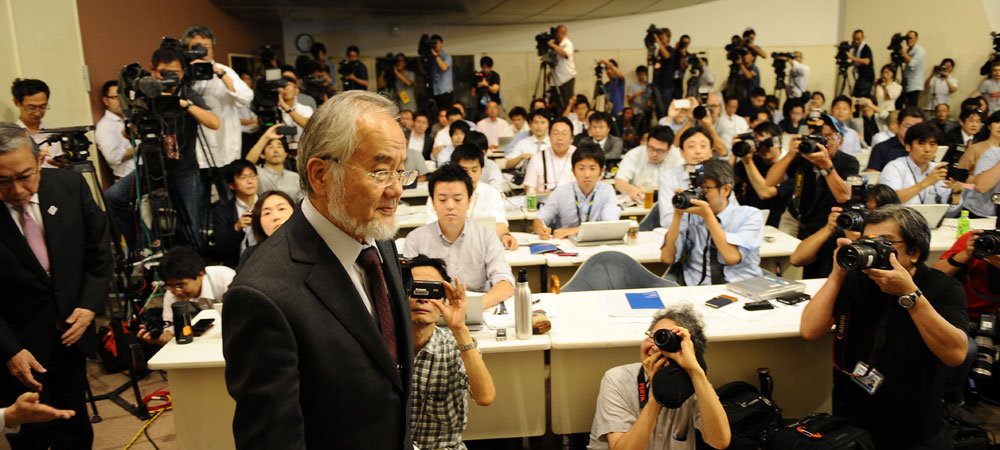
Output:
(224, 94)
(32, 100)
(842, 109)
(553, 166)
(639, 171)
(536, 142)
(564, 73)
(443, 137)
(118, 152)
(293, 113)
(913, 74)
(916, 178)
(729, 123)
(940, 85)
(493, 126)
(798, 76)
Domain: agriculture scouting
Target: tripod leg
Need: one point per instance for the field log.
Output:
(95, 417)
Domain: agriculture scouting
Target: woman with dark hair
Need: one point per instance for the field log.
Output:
(273, 208)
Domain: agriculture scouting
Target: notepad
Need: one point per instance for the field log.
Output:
(644, 300)
(537, 249)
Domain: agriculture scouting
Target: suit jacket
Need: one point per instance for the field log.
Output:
(304, 360)
(613, 146)
(227, 240)
(428, 143)
(33, 303)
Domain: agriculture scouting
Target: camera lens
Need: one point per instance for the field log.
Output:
(851, 221)
(742, 148)
(987, 244)
(856, 257)
(982, 367)
(667, 341)
(682, 200)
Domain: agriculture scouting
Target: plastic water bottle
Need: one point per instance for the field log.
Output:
(633, 231)
(522, 306)
(963, 223)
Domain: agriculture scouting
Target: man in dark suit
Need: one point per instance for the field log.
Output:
(56, 261)
(231, 231)
(970, 122)
(316, 330)
(600, 133)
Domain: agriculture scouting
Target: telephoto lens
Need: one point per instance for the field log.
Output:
(982, 367)
(851, 221)
(867, 253)
(667, 341)
(745, 146)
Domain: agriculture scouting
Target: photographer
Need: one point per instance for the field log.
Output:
(898, 325)
(445, 362)
(665, 66)
(695, 145)
(815, 253)
(714, 240)
(353, 72)
(224, 94)
(318, 53)
(864, 65)
(730, 123)
(887, 90)
(273, 176)
(748, 77)
(181, 162)
(615, 87)
(940, 85)
(980, 277)
(636, 95)
(118, 152)
(443, 81)
(487, 87)
(32, 100)
(402, 83)
(750, 171)
(564, 73)
(915, 57)
(990, 88)
(293, 113)
(814, 181)
(623, 420)
(798, 77)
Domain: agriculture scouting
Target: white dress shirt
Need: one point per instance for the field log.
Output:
(113, 145)
(345, 248)
(902, 173)
(638, 170)
(303, 111)
(214, 285)
(565, 68)
(494, 130)
(528, 146)
(729, 126)
(3, 424)
(225, 143)
(486, 201)
(557, 171)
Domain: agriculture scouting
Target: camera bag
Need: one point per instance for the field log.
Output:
(752, 416)
(821, 431)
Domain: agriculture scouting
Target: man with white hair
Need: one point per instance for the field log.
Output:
(317, 321)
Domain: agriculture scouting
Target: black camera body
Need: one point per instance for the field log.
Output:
(843, 50)
(265, 98)
(424, 47)
(810, 143)
(895, 48)
(987, 244)
(651, 33)
(345, 67)
(746, 144)
(192, 71)
(866, 253)
(853, 216)
(430, 290)
(682, 200)
(667, 341)
(542, 41)
(73, 140)
(152, 319)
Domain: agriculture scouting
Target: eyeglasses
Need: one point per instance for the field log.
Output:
(111, 97)
(6, 183)
(386, 178)
(249, 176)
(36, 108)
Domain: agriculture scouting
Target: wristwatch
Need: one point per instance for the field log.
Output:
(469, 346)
(825, 172)
(907, 301)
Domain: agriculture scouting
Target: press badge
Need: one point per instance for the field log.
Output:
(871, 382)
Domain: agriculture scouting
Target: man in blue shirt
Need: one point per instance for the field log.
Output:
(441, 74)
(986, 183)
(913, 74)
(715, 240)
(586, 200)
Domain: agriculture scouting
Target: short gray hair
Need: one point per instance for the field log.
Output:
(13, 137)
(332, 132)
(684, 315)
(198, 30)
(912, 226)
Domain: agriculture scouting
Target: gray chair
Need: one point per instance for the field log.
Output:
(652, 220)
(613, 270)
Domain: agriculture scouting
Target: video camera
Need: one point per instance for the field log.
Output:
(545, 52)
(431, 290)
(996, 41)
(843, 51)
(853, 216)
(192, 71)
(388, 68)
(74, 142)
(866, 253)
(748, 144)
(736, 49)
(265, 97)
(682, 200)
(650, 39)
(895, 48)
(143, 104)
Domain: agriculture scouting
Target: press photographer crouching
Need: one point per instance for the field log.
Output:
(671, 357)
(899, 325)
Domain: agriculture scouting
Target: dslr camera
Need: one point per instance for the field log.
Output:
(866, 253)
(853, 216)
(987, 244)
(667, 341)
(682, 200)
(74, 142)
(986, 351)
(747, 144)
(192, 71)
(152, 318)
(424, 47)
(810, 143)
(650, 39)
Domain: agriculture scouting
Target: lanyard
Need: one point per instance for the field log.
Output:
(922, 195)
(642, 387)
(590, 202)
(876, 348)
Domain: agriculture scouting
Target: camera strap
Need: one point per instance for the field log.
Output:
(545, 171)
(642, 387)
(880, 337)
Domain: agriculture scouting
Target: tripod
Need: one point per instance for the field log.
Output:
(651, 113)
(844, 84)
(428, 103)
(550, 94)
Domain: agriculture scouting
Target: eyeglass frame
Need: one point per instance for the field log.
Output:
(7, 183)
(404, 177)
(36, 108)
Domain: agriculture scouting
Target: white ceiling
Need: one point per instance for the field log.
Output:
(446, 12)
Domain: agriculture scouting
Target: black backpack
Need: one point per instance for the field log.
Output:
(752, 416)
(821, 431)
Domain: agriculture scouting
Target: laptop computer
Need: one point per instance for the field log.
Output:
(503, 142)
(473, 312)
(600, 233)
(933, 214)
(765, 287)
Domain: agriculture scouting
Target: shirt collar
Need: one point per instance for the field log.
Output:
(112, 116)
(727, 211)
(461, 235)
(916, 169)
(33, 201)
(240, 204)
(343, 246)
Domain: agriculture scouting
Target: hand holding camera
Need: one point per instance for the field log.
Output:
(453, 312)
(674, 343)
(243, 221)
(895, 281)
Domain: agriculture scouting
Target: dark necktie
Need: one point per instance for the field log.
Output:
(371, 264)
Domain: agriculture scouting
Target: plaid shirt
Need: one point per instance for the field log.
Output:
(437, 394)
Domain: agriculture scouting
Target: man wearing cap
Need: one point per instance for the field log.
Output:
(632, 413)
(812, 183)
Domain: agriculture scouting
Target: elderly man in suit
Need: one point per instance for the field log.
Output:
(316, 329)
(56, 261)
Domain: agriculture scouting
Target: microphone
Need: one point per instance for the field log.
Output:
(149, 86)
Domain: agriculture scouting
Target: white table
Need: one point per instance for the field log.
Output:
(419, 191)
(204, 410)
(586, 342)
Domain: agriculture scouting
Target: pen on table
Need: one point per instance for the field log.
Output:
(501, 309)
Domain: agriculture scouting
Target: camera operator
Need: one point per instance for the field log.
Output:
(751, 170)
(864, 65)
(487, 87)
(624, 420)
(715, 240)
(615, 87)
(353, 73)
(636, 95)
(898, 325)
(564, 73)
(680, 120)
(32, 100)
(916, 178)
(706, 81)
(990, 88)
(980, 277)
(814, 181)
(402, 83)
(293, 113)
(118, 152)
(443, 81)
(180, 140)
(940, 85)
(798, 76)
(915, 57)
(318, 52)
(665, 67)
(224, 94)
